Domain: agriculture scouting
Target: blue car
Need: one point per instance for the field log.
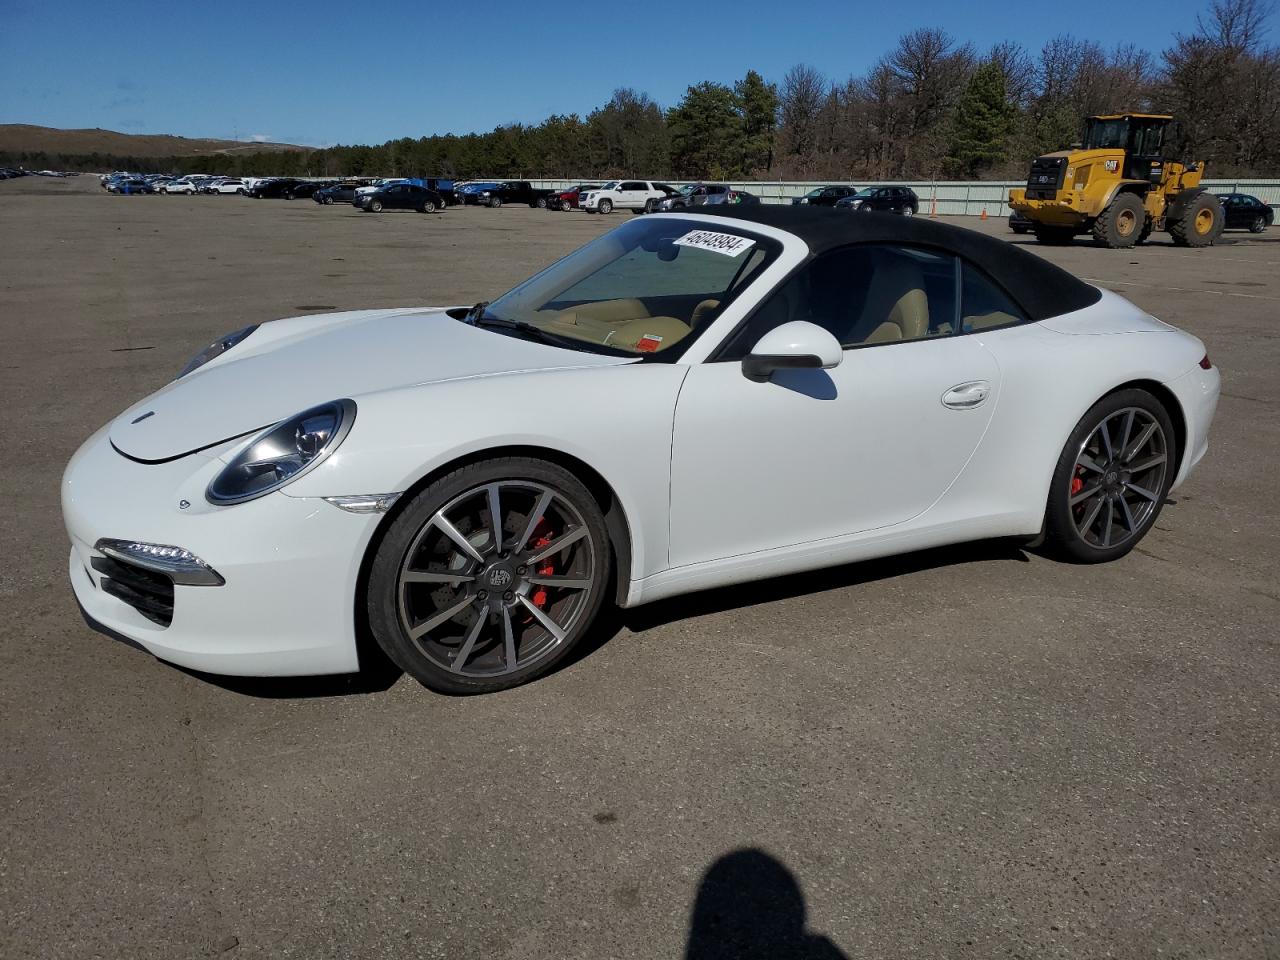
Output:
(131, 185)
(470, 194)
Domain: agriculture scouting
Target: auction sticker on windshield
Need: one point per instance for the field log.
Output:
(725, 243)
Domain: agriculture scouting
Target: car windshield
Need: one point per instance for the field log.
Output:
(866, 192)
(640, 289)
(816, 192)
(688, 188)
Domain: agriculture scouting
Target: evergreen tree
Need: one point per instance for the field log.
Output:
(984, 122)
(758, 105)
(706, 132)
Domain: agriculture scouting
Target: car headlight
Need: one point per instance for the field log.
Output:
(216, 349)
(283, 453)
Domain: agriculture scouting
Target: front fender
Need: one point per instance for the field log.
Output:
(617, 420)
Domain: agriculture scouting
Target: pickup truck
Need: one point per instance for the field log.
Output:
(515, 191)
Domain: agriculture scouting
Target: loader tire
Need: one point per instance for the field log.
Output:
(1200, 223)
(1120, 225)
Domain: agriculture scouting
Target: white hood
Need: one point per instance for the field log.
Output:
(285, 367)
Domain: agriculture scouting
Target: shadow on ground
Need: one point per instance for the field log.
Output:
(751, 907)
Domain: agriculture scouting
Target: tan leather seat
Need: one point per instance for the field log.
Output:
(985, 321)
(897, 307)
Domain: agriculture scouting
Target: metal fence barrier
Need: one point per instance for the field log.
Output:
(944, 197)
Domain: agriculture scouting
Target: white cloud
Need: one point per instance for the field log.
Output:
(259, 138)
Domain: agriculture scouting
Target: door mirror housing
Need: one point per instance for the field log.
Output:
(798, 345)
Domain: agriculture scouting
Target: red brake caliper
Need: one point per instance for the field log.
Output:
(1077, 484)
(542, 535)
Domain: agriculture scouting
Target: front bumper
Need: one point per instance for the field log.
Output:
(291, 564)
(1066, 209)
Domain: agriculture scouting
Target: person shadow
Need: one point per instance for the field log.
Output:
(750, 907)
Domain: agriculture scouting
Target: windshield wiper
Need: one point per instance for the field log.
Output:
(483, 319)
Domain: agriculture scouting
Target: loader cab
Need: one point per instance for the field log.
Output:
(1142, 137)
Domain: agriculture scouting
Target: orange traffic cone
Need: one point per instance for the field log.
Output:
(984, 214)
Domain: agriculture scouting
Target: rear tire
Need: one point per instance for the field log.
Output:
(1111, 479)
(1054, 236)
(1119, 226)
(540, 203)
(1200, 223)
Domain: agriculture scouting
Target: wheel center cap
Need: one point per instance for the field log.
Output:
(499, 576)
(1111, 478)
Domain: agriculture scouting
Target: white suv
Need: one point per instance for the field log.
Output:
(227, 185)
(638, 196)
(181, 185)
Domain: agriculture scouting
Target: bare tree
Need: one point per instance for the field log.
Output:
(804, 91)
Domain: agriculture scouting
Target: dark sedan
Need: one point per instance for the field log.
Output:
(400, 196)
(273, 189)
(900, 200)
(824, 196)
(1246, 212)
(337, 193)
(306, 188)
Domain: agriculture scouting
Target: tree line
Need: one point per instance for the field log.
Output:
(931, 108)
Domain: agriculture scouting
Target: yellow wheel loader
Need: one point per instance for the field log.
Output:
(1120, 185)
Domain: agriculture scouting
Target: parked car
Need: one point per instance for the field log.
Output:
(227, 185)
(338, 192)
(274, 188)
(569, 199)
(187, 185)
(638, 196)
(1020, 224)
(131, 185)
(900, 200)
(514, 191)
(1246, 212)
(399, 196)
(705, 195)
(472, 193)
(305, 189)
(824, 196)
(476, 568)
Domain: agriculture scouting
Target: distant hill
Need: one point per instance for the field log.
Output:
(25, 138)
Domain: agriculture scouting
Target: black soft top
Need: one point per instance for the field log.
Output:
(1042, 289)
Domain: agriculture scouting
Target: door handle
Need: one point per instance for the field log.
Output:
(966, 396)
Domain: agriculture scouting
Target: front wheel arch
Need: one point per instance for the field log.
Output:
(615, 518)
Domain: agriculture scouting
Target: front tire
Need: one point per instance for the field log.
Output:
(495, 203)
(428, 206)
(1120, 225)
(1259, 224)
(606, 206)
(469, 605)
(1111, 479)
(1200, 223)
(376, 206)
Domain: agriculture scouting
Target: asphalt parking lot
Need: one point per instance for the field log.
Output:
(973, 752)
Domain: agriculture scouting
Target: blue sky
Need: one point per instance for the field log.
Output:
(321, 72)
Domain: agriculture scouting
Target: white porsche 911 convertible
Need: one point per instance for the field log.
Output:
(689, 401)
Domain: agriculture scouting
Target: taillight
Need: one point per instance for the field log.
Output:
(1205, 364)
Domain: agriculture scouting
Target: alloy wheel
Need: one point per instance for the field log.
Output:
(1119, 478)
(496, 579)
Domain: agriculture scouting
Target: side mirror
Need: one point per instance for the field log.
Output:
(798, 345)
